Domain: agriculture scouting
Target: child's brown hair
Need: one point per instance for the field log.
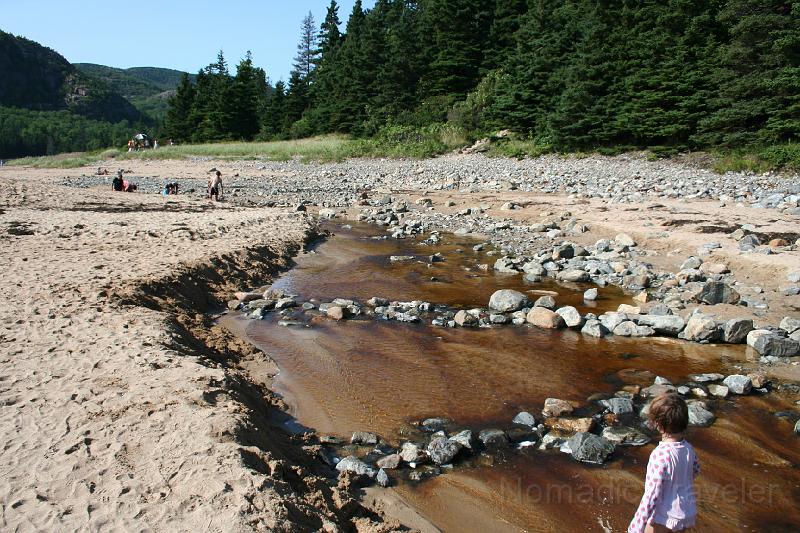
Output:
(669, 413)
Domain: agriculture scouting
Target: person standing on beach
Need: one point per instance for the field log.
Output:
(669, 501)
(215, 186)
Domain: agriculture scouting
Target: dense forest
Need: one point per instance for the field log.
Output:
(567, 74)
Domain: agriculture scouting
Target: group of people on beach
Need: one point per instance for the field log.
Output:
(214, 190)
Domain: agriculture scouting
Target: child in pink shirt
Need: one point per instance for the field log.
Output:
(668, 503)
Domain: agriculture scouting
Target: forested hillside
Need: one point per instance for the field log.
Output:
(147, 88)
(567, 74)
(47, 105)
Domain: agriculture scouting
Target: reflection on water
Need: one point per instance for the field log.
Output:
(377, 376)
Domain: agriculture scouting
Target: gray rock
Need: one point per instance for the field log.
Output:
(630, 329)
(738, 384)
(442, 451)
(700, 328)
(493, 437)
(534, 268)
(382, 478)
(717, 292)
(574, 276)
(353, 464)
(590, 295)
(789, 324)
(706, 378)
(504, 264)
(735, 330)
(618, 406)
(507, 301)
(699, 415)
(669, 325)
(594, 328)
(572, 318)
(525, 418)
(364, 437)
(435, 424)
(623, 239)
(589, 448)
(465, 319)
(769, 343)
(463, 438)
(659, 309)
(548, 302)
(390, 461)
(692, 263)
(411, 453)
(611, 320)
(718, 391)
(624, 436)
(557, 407)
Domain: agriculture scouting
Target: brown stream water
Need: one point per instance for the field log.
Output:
(339, 377)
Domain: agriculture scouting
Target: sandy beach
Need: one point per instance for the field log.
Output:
(122, 406)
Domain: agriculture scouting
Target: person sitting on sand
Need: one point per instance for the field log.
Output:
(127, 186)
(117, 182)
(215, 186)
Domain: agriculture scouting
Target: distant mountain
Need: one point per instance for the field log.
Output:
(148, 88)
(36, 77)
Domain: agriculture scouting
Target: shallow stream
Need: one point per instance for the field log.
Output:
(369, 375)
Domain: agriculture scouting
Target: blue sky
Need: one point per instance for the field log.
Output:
(183, 35)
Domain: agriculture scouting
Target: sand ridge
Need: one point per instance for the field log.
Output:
(119, 412)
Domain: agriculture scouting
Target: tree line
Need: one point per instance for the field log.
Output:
(569, 74)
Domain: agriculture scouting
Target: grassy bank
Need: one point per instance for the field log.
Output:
(392, 142)
(419, 143)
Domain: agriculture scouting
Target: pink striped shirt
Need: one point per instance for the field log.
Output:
(669, 498)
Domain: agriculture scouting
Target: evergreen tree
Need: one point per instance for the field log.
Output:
(242, 100)
(349, 109)
(274, 122)
(306, 58)
(456, 32)
(502, 35)
(178, 124)
(326, 76)
(758, 75)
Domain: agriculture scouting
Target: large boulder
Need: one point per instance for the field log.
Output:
(717, 292)
(524, 418)
(557, 407)
(769, 343)
(493, 437)
(594, 328)
(353, 464)
(572, 318)
(442, 450)
(669, 325)
(618, 406)
(570, 426)
(735, 330)
(629, 328)
(545, 318)
(623, 239)
(789, 324)
(589, 448)
(465, 319)
(738, 384)
(574, 275)
(700, 328)
(547, 302)
(507, 301)
(625, 436)
(411, 453)
(699, 415)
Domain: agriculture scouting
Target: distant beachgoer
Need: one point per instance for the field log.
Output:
(215, 186)
(117, 182)
(127, 186)
(669, 502)
(170, 188)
